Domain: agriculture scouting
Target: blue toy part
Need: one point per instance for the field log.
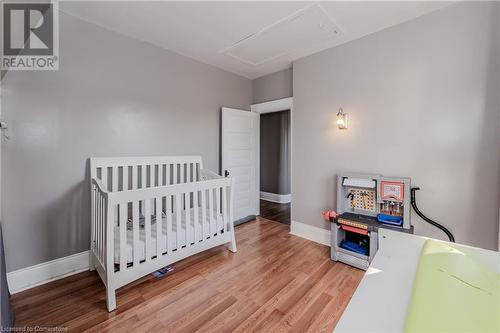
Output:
(162, 272)
(351, 246)
(389, 219)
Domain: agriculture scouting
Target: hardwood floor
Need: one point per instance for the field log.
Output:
(275, 282)
(275, 211)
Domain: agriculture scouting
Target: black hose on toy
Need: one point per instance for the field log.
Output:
(426, 219)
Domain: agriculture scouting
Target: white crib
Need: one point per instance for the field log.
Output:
(128, 194)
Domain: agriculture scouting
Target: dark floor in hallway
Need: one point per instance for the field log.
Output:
(275, 211)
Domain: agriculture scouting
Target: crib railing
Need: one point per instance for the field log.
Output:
(194, 213)
(130, 173)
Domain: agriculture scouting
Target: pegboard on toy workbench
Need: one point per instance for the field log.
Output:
(357, 193)
(362, 199)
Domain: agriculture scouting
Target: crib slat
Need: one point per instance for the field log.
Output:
(99, 219)
(123, 236)
(94, 221)
(141, 179)
(181, 173)
(104, 212)
(168, 212)
(210, 211)
(217, 210)
(204, 214)
(143, 176)
(196, 217)
(92, 217)
(104, 177)
(114, 179)
(138, 182)
(114, 185)
(135, 170)
(178, 219)
(125, 186)
(152, 169)
(160, 174)
(98, 227)
(159, 225)
(135, 231)
(103, 228)
(156, 175)
(224, 209)
(188, 172)
(98, 222)
(147, 228)
(187, 198)
(174, 179)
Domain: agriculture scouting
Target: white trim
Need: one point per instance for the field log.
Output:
(315, 234)
(274, 197)
(29, 277)
(273, 106)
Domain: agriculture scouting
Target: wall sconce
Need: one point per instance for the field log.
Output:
(342, 119)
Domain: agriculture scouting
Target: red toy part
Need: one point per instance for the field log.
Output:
(330, 215)
(353, 229)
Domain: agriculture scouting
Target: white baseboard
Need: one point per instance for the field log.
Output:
(274, 197)
(318, 235)
(29, 277)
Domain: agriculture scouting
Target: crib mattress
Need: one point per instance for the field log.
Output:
(203, 230)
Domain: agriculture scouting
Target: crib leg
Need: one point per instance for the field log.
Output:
(110, 299)
(232, 245)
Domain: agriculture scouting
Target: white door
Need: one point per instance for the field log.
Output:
(240, 158)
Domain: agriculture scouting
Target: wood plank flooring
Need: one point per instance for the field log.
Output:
(275, 211)
(276, 282)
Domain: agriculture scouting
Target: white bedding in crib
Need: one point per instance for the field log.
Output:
(208, 229)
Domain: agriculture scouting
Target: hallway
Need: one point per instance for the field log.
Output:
(275, 211)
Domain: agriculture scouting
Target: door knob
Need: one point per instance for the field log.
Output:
(226, 173)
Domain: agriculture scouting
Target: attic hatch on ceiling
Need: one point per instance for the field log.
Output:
(302, 30)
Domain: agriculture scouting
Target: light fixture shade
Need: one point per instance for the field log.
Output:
(342, 119)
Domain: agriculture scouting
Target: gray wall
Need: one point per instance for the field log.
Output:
(274, 152)
(434, 78)
(422, 98)
(497, 94)
(112, 96)
(273, 86)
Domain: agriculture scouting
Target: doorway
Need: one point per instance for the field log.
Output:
(275, 159)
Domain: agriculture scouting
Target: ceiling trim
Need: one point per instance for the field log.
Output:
(273, 106)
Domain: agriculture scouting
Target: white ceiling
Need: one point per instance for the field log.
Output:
(248, 38)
